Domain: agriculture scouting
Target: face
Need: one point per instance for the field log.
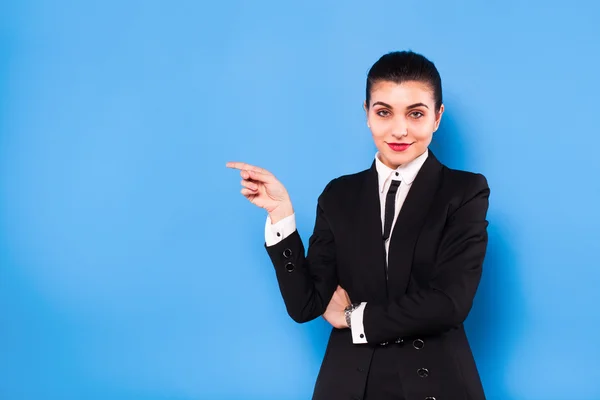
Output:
(402, 119)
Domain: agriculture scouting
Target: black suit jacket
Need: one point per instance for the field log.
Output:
(436, 251)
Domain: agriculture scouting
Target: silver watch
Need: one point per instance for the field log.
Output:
(348, 313)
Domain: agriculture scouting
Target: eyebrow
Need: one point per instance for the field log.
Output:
(381, 103)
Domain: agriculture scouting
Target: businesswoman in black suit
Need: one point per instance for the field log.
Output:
(395, 258)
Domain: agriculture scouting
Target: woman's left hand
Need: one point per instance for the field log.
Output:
(334, 314)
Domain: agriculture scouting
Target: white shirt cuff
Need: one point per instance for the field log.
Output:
(356, 322)
(275, 233)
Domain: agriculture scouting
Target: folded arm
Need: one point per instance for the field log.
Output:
(447, 300)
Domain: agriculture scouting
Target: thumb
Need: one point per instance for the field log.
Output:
(261, 176)
(344, 294)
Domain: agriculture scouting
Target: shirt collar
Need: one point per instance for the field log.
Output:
(406, 172)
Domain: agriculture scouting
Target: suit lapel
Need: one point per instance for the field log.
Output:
(409, 223)
(370, 223)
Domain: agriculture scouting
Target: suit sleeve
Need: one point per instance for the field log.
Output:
(447, 300)
(307, 282)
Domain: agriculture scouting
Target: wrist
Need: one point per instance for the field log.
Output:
(348, 313)
(281, 212)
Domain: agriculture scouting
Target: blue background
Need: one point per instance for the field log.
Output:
(132, 268)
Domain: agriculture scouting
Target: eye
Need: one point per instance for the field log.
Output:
(383, 113)
(416, 114)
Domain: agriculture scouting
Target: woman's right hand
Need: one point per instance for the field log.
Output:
(262, 189)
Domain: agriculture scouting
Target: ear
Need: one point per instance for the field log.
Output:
(366, 112)
(438, 118)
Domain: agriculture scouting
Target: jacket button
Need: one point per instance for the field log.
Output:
(429, 398)
(423, 372)
(290, 266)
(359, 369)
(418, 344)
(287, 253)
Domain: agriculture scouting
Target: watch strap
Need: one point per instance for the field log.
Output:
(348, 313)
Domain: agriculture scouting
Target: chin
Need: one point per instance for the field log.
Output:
(398, 159)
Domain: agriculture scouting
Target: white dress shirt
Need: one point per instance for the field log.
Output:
(406, 174)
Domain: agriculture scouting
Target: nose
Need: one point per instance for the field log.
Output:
(400, 128)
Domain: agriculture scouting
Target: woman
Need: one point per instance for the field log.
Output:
(395, 258)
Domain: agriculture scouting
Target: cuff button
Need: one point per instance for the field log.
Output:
(287, 253)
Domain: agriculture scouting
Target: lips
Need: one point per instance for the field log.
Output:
(399, 146)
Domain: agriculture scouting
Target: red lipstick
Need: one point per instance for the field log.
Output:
(399, 146)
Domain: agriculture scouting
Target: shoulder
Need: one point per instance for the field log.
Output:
(464, 178)
(345, 184)
(466, 184)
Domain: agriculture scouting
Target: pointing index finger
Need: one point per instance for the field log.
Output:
(247, 167)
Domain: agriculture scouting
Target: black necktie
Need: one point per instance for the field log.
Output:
(390, 205)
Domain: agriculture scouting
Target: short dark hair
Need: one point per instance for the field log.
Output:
(404, 66)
